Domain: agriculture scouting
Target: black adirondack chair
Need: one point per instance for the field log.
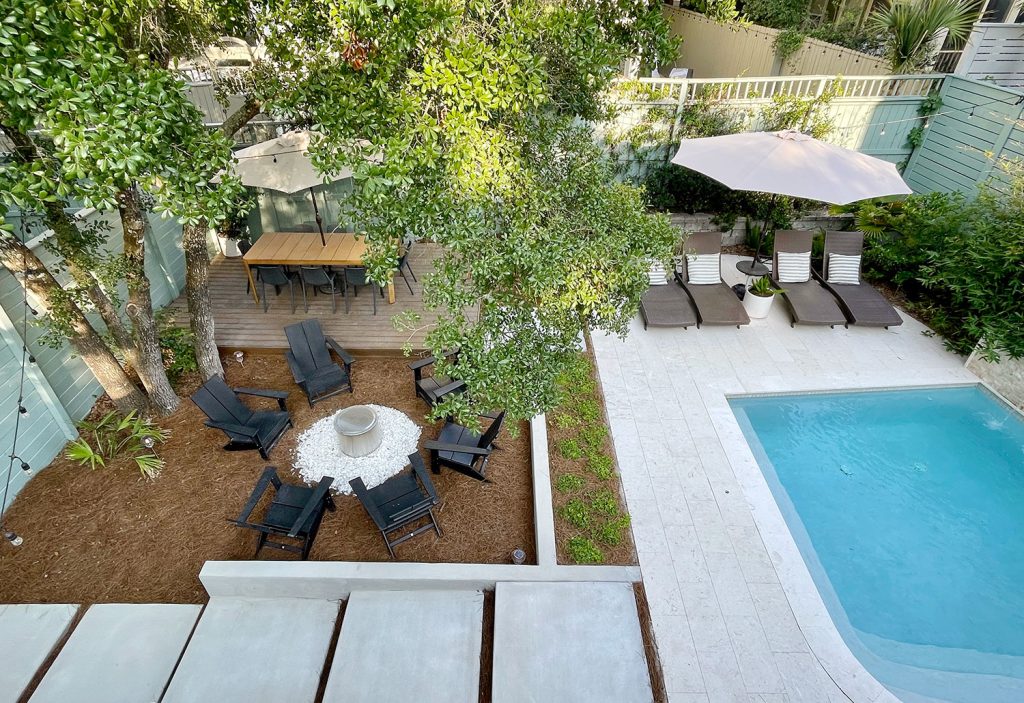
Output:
(433, 388)
(400, 501)
(309, 358)
(295, 513)
(463, 450)
(245, 428)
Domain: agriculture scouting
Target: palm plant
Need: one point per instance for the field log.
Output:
(917, 29)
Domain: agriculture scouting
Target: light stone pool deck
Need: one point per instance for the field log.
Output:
(736, 615)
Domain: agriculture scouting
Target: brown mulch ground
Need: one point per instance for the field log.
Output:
(624, 553)
(109, 536)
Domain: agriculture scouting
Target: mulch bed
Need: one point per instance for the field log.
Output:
(622, 554)
(110, 536)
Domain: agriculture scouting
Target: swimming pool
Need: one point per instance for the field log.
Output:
(908, 508)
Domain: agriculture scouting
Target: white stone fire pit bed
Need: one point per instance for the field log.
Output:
(317, 453)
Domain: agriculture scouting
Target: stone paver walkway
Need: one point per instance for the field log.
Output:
(736, 615)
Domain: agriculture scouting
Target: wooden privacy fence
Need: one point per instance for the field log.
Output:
(978, 125)
(996, 52)
(714, 50)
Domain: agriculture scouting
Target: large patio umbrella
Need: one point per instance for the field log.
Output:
(793, 164)
(283, 164)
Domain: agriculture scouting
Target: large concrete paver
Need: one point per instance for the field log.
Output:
(28, 634)
(119, 654)
(419, 646)
(568, 642)
(255, 650)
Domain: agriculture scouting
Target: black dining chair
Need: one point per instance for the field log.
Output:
(355, 276)
(278, 277)
(403, 263)
(317, 277)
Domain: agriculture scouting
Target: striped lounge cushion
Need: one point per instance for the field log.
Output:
(656, 276)
(844, 269)
(794, 267)
(703, 269)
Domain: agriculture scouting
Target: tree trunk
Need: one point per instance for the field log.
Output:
(200, 307)
(197, 269)
(140, 305)
(126, 396)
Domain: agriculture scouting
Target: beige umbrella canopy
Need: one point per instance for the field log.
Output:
(790, 163)
(283, 164)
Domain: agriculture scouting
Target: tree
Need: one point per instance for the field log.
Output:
(116, 132)
(916, 29)
(33, 42)
(473, 109)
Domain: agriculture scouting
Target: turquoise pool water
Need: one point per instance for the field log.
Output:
(908, 507)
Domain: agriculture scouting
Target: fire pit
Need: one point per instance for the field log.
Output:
(358, 430)
(369, 441)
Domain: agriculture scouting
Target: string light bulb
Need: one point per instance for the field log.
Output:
(23, 410)
(882, 133)
(24, 464)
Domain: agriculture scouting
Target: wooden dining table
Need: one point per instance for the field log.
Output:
(305, 249)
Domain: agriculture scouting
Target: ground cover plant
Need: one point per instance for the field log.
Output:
(591, 524)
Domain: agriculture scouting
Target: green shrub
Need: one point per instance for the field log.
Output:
(576, 513)
(178, 353)
(568, 483)
(604, 502)
(610, 532)
(601, 465)
(958, 261)
(592, 437)
(570, 449)
(778, 14)
(583, 551)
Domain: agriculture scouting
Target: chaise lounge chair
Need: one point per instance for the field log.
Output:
(667, 306)
(862, 304)
(716, 302)
(809, 302)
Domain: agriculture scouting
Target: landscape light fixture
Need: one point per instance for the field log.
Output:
(518, 556)
(13, 538)
(240, 357)
(148, 442)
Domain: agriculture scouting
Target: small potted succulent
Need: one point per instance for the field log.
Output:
(760, 295)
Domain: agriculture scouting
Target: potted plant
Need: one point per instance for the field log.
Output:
(229, 233)
(761, 294)
(234, 228)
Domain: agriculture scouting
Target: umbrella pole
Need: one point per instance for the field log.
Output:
(764, 229)
(319, 220)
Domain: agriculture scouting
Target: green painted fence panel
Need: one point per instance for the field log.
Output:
(977, 125)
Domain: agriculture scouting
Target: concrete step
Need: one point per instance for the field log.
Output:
(28, 634)
(568, 642)
(421, 646)
(119, 654)
(255, 650)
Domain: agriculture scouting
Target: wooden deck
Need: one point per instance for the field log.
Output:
(242, 324)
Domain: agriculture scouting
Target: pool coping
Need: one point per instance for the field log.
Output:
(822, 634)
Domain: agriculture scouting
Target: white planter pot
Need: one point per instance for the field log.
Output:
(228, 247)
(757, 306)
